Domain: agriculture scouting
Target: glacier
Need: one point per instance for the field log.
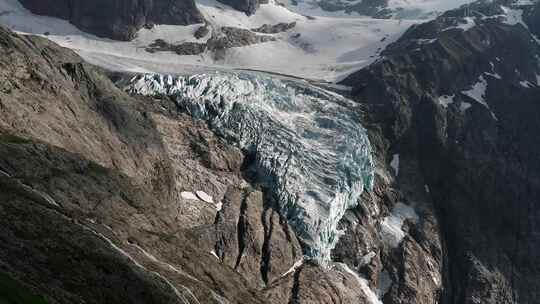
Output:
(309, 147)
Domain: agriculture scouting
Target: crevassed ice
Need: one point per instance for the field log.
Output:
(308, 144)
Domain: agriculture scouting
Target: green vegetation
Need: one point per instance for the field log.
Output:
(12, 292)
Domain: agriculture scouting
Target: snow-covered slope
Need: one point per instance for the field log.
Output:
(323, 48)
(396, 9)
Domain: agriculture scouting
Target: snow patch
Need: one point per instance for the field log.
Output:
(494, 75)
(371, 296)
(478, 93)
(385, 283)
(189, 195)
(366, 259)
(424, 7)
(446, 100)
(464, 24)
(464, 106)
(4, 173)
(203, 196)
(513, 16)
(391, 226)
(152, 258)
(526, 84)
(294, 267)
(395, 163)
(425, 41)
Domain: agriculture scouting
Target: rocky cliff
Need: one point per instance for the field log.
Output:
(458, 97)
(118, 19)
(247, 6)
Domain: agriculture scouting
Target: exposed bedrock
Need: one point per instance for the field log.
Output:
(247, 6)
(118, 19)
(460, 97)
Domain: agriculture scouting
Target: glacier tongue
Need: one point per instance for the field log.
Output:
(309, 147)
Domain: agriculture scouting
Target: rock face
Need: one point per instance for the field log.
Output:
(247, 6)
(118, 19)
(459, 96)
(93, 167)
(217, 44)
(274, 29)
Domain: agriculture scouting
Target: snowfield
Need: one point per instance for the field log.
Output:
(398, 9)
(324, 48)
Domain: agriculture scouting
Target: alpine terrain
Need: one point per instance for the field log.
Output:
(266, 151)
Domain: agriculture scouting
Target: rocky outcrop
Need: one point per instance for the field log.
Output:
(217, 45)
(457, 96)
(274, 29)
(531, 16)
(186, 48)
(118, 19)
(247, 6)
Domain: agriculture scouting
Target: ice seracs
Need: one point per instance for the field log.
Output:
(308, 146)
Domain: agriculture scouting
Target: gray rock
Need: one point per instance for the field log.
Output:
(274, 29)
(186, 48)
(118, 19)
(477, 155)
(247, 6)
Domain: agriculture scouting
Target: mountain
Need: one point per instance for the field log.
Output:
(118, 19)
(276, 156)
(459, 99)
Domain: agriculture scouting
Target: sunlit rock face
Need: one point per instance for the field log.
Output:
(308, 144)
